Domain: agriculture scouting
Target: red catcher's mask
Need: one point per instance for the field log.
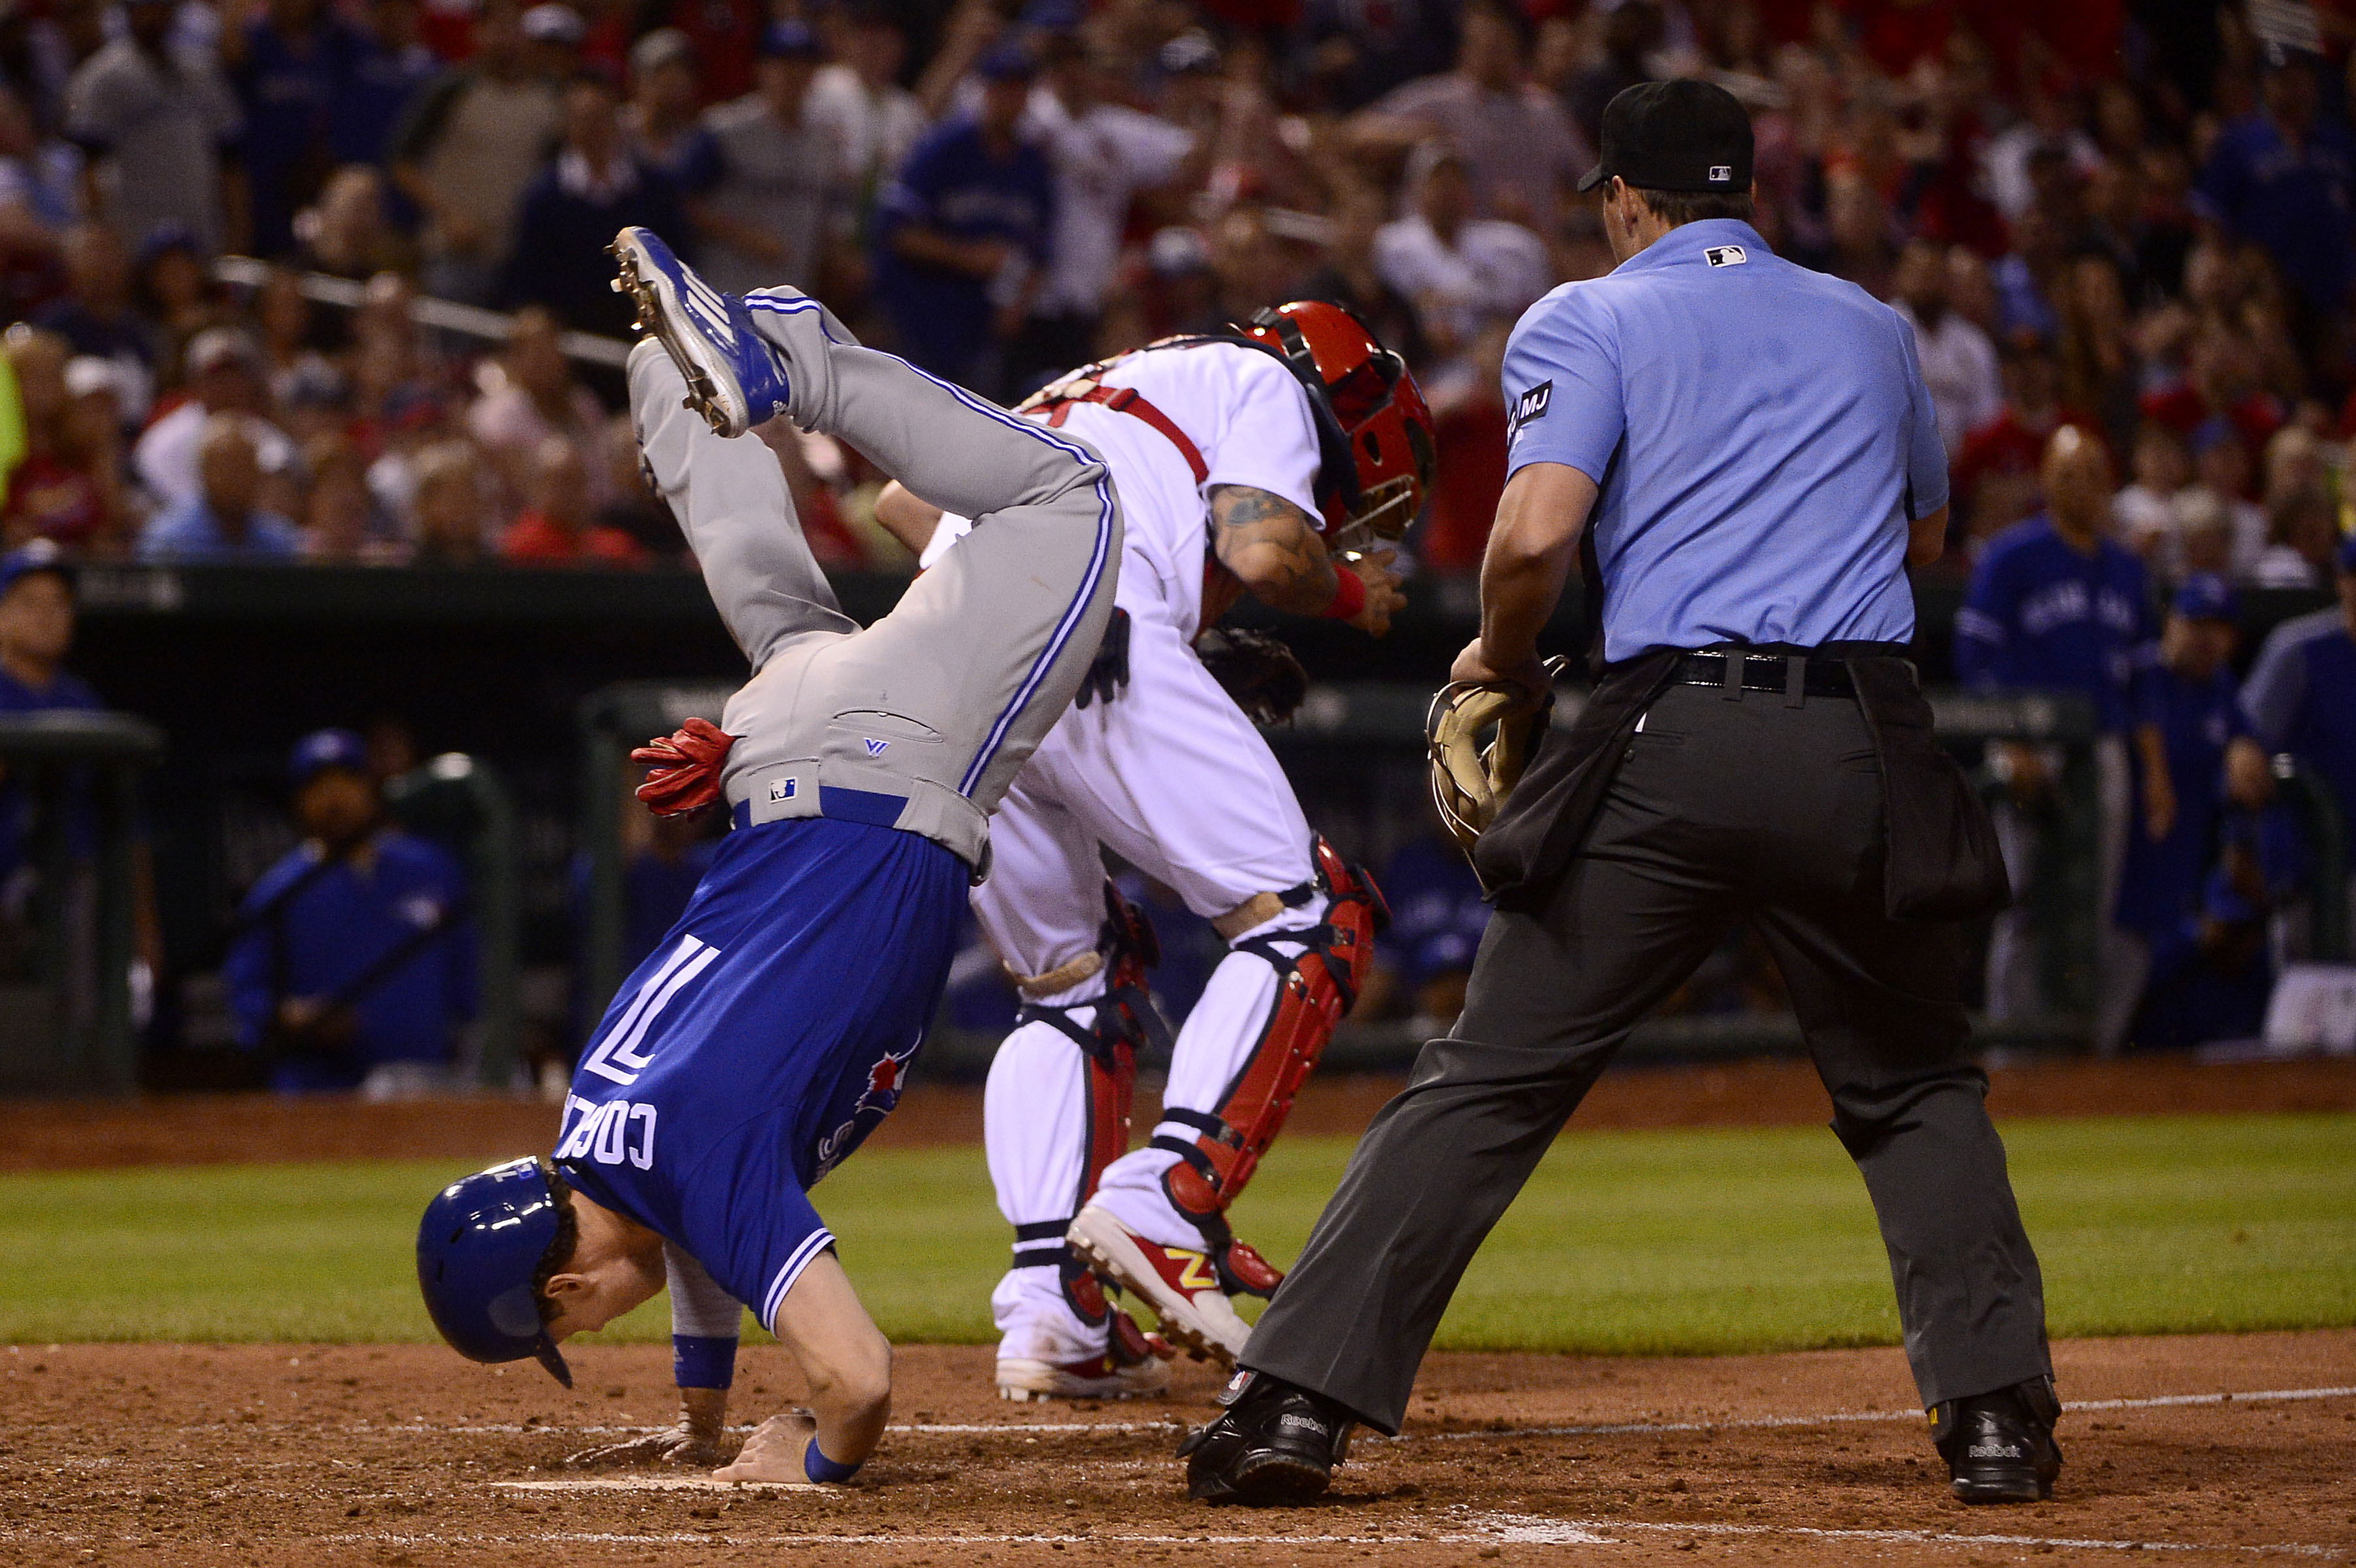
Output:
(1373, 405)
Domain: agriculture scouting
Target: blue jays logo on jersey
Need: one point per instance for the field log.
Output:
(886, 1076)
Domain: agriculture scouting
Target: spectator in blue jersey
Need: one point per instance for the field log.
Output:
(225, 520)
(386, 77)
(594, 186)
(2198, 761)
(2283, 175)
(1437, 919)
(2301, 694)
(353, 954)
(2054, 606)
(36, 629)
(2210, 974)
(961, 234)
(291, 66)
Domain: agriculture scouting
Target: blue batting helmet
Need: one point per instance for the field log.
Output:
(478, 1248)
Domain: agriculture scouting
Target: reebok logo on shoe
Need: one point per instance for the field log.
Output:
(1304, 1424)
(1995, 1451)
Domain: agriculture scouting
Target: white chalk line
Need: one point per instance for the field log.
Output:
(2157, 1401)
(1539, 1529)
(1177, 1424)
(1489, 1530)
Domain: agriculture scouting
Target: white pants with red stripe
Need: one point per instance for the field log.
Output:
(1173, 778)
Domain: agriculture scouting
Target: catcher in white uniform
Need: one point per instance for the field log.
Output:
(1274, 460)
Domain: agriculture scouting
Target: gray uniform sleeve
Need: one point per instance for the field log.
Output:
(700, 1309)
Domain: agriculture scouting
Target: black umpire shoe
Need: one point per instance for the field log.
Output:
(1999, 1446)
(1273, 1443)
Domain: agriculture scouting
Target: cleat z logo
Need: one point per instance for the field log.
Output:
(875, 747)
(1195, 1271)
(1725, 256)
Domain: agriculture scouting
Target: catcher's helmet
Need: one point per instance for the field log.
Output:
(478, 1248)
(1367, 403)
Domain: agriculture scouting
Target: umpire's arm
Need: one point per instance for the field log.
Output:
(1528, 559)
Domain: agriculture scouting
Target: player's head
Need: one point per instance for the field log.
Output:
(1374, 427)
(2077, 479)
(37, 603)
(2203, 622)
(486, 1251)
(335, 797)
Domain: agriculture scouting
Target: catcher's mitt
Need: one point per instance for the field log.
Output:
(1470, 780)
(1258, 670)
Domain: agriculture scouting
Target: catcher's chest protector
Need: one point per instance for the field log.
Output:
(1314, 992)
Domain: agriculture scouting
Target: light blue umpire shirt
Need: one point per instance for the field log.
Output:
(1761, 434)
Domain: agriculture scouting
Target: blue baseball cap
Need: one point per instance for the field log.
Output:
(789, 41)
(325, 749)
(2206, 596)
(1008, 62)
(41, 555)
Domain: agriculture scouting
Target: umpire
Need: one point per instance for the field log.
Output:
(1741, 457)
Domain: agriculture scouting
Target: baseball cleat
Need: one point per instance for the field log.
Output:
(1022, 1379)
(1273, 1443)
(1999, 1446)
(734, 378)
(1179, 1284)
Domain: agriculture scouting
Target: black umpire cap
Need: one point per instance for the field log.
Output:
(1675, 135)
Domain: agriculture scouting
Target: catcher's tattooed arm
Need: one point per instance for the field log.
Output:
(907, 517)
(1274, 549)
(1528, 559)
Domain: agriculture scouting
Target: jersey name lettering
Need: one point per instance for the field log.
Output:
(609, 1133)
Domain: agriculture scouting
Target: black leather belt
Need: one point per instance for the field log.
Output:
(1791, 677)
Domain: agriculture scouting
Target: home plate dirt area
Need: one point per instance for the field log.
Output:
(2204, 1449)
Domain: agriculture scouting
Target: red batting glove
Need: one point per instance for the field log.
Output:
(685, 774)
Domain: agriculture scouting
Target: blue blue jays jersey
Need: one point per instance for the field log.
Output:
(2161, 880)
(764, 1039)
(2039, 616)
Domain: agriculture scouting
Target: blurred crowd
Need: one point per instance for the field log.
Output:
(2132, 220)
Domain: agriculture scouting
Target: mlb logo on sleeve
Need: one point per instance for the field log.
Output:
(1725, 256)
(1531, 405)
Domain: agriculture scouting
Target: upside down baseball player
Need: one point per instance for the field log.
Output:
(772, 1030)
(1248, 462)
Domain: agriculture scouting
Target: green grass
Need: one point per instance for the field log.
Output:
(1630, 1242)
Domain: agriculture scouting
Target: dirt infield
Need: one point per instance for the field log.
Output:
(198, 1129)
(399, 1454)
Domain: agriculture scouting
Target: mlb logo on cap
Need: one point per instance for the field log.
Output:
(1721, 174)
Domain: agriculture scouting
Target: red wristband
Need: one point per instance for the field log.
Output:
(1349, 594)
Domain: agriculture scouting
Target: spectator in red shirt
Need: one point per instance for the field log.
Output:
(560, 528)
(2220, 380)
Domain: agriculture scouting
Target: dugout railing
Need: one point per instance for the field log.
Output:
(1358, 748)
(68, 1013)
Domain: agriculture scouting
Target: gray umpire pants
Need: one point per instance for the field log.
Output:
(1722, 811)
(921, 720)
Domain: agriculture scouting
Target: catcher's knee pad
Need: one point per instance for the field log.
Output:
(1120, 1020)
(1316, 987)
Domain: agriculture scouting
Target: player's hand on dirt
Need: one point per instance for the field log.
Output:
(1476, 665)
(684, 768)
(679, 1445)
(774, 1452)
(1384, 599)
